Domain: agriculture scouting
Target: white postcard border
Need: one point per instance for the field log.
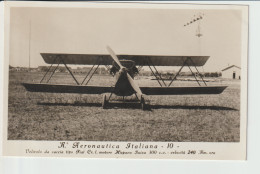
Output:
(235, 150)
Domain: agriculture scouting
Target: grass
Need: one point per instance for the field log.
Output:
(198, 118)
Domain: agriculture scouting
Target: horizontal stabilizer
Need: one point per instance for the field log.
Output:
(51, 88)
(183, 90)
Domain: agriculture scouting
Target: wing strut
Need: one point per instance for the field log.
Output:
(198, 71)
(60, 60)
(175, 76)
(70, 72)
(156, 74)
(88, 74)
(91, 74)
(185, 63)
(46, 73)
(149, 60)
(51, 72)
(194, 75)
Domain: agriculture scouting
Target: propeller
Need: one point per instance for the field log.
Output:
(134, 85)
(122, 68)
(113, 55)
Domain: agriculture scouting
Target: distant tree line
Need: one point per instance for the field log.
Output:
(62, 69)
(189, 74)
(46, 68)
(212, 74)
(103, 70)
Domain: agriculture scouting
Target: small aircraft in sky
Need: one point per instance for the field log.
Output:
(124, 68)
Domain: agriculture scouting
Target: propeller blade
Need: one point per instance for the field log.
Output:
(134, 85)
(131, 80)
(113, 55)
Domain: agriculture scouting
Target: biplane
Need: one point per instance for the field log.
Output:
(124, 68)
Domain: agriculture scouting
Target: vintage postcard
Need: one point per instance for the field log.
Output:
(125, 80)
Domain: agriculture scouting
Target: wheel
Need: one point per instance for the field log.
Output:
(143, 106)
(104, 102)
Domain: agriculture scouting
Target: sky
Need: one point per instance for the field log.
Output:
(139, 31)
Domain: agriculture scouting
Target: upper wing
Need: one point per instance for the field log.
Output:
(142, 60)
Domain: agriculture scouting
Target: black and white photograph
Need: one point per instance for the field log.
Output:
(127, 79)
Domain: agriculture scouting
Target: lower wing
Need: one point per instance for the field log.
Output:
(183, 90)
(51, 88)
(67, 88)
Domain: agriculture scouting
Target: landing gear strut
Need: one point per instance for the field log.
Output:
(143, 105)
(104, 102)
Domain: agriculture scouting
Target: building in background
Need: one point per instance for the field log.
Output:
(231, 72)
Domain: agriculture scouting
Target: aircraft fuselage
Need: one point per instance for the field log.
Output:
(123, 86)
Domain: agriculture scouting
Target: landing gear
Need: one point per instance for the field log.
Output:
(104, 102)
(143, 105)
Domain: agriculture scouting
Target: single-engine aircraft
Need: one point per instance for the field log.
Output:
(124, 68)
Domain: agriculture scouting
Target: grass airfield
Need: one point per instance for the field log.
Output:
(78, 117)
